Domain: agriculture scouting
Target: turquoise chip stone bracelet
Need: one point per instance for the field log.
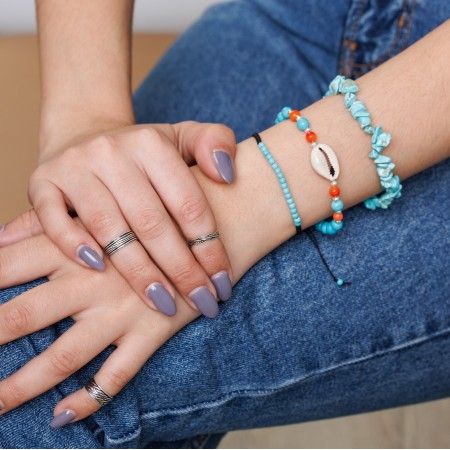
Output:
(281, 181)
(380, 140)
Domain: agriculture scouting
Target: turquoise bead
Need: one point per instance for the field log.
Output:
(337, 205)
(282, 182)
(380, 140)
(285, 112)
(302, 123)
(339, 281)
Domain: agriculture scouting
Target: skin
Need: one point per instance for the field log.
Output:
(128, 324)
(115, 175)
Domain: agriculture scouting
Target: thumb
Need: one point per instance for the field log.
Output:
(22, 227)
(212, 146)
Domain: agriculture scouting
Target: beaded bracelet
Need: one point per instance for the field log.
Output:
(380, 140)
(325, 163)
(281, 181)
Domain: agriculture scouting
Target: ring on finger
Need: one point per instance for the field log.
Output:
(122, 241)
(202, 239)
(97, 393)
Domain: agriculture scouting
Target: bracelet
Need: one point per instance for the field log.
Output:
(282, 182)
(380, 140)
(325, 163)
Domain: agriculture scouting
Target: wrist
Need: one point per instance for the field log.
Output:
(63, 126)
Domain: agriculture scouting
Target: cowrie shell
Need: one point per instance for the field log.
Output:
(324, 161)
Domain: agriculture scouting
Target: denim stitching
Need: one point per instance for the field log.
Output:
(249, 393)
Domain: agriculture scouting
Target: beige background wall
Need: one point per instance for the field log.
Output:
(426, 425)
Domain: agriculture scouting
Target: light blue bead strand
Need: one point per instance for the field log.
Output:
(281, 178)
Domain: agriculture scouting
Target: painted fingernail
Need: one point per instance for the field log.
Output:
(205, 301)
(161, 298)
(222, 283)
(224, 165)
(91, 257)
(62, 419)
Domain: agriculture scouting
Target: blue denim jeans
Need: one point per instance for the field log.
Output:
(290, 346)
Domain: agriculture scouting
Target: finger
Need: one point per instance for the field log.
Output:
(102, 216)
(159, 235)
(27, 260)
(40, 307)
(123, 364)
(75, 348)
(51, 209)
(212, 146)
(186, 201)
(24, 226)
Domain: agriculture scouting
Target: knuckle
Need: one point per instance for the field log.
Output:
(147, 134)
(63, 362)
(101, 222)
(104, 145)
(150, 223)
(137, 272)
(17, 320)
(118, 378)
(192, 209)
(185, 275)
(212, 258)
(14, 393)
(6, 262)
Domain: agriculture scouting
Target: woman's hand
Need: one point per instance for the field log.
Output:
(90, 298)
(136, 178)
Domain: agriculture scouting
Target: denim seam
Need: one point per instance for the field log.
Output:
(261, 392)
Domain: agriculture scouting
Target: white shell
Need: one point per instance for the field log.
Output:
(324, 161)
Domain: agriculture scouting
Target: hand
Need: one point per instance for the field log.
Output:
(90, 298)
(136, 178)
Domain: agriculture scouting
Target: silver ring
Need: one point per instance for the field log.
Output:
(202, 239)
(97, 393)
(122, 241)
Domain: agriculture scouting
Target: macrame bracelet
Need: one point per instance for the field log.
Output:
(380, 140)
(325, 163)
(282, 182)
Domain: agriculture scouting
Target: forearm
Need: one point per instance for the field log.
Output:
(85, 68)
(407, 95)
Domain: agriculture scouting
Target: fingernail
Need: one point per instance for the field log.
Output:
(161, 298)
(2, 406)
(222, 283)
(224, 165)
(205, 301)
(2, 227)
(62, 419)
(91, 258)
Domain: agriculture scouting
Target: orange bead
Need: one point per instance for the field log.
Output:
(294, 115)
(338, 217)
(311, 136)
(334, 191)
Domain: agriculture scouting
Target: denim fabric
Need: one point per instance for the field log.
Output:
(290, 346)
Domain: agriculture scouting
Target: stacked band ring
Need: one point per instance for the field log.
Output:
(202, 239)
(97, 393)
(122, 241)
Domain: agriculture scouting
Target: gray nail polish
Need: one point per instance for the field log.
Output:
(205, 301)
(62, 419)
(222, 283)
(161, 298)
(91, 258)
(224, 165)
